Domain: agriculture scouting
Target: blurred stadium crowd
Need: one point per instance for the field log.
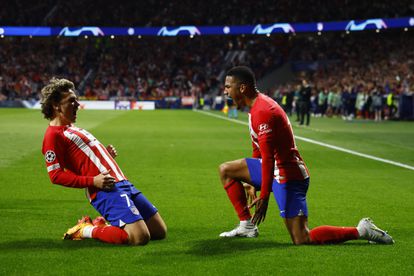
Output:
(188, 12)
(350, 74)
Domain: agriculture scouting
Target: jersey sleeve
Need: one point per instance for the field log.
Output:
(264, 124)
(256, 151)
(53, 150)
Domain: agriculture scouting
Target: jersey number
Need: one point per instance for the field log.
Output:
(127, 199)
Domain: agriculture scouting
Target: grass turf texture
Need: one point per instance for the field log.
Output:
(172, 156)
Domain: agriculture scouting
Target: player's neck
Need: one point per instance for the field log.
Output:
(252, 99)
(58, 121)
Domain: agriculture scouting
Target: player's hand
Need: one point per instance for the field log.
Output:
(104, 181)
(250, 193)
(112, 151)
(260, 210)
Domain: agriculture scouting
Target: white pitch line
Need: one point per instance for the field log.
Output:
(398, 164)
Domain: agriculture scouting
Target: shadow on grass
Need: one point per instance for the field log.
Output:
(230, 246)
(213, 247)
(34, 244)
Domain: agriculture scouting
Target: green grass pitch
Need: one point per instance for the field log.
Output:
(173, 157)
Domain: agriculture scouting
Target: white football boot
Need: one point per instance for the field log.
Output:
(245, 229)
(369, 231)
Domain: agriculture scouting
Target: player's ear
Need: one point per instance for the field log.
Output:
(242, 88)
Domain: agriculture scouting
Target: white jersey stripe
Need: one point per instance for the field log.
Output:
(53, 167)
(86, 149)
(111, 164)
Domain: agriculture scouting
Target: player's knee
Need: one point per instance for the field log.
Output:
(138, 235)
(139, 238)
(300, 239)
(297, 241)
(160, 233)
(223, 170)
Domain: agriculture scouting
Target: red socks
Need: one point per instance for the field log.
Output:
(237, 196)
(110, 234)
(332, 234)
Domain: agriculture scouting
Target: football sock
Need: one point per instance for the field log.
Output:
(87, 232)
(237, 196)
(247, 224)
(110, 234)
(333, 234)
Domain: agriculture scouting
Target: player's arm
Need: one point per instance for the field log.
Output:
(256, 151)
(265, 125)
(59, 175)
(266, 144)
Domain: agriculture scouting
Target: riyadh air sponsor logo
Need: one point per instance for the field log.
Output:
(50, 156)
(95, 31)
(285, 27)
(264, 128)
(352, 26)
(191, 30)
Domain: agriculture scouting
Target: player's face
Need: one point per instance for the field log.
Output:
(67, 108)
(232, 89)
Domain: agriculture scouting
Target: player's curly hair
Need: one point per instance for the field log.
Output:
(52, 94)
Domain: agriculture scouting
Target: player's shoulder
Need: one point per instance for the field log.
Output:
(265, 102)
(54, 132)
(266, 106)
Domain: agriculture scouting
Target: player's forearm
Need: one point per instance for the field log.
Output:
(267, 177)
(256, 151)
(268, 164)
(71, 180)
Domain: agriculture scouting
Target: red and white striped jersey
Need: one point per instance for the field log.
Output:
(273, 142)
(74, 156)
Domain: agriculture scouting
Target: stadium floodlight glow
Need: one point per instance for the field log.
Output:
(226, 30)
(131, 31)
(319, 26)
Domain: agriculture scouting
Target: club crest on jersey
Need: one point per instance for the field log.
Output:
(264, 128)
(134, 210)
(50, 156)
